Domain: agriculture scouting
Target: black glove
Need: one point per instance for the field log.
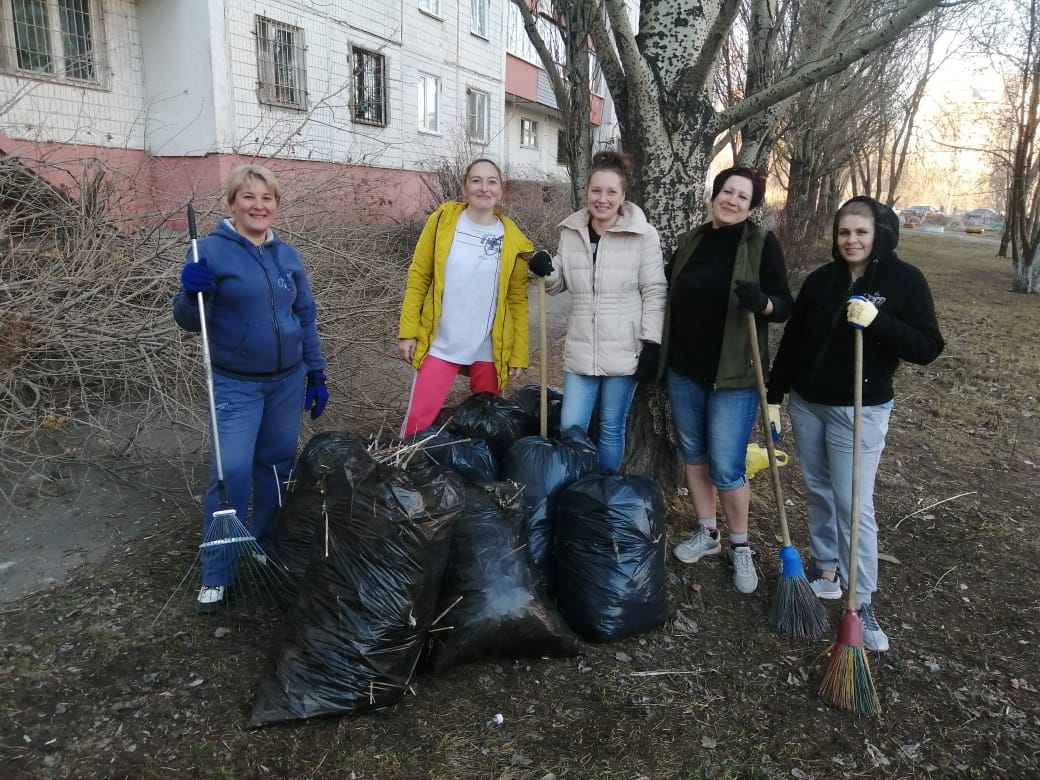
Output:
(197, 278)
(649, 359)
(540, 263)
(751, 297)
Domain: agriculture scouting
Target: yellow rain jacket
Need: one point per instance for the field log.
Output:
(425, 288)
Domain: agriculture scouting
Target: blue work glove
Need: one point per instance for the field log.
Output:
(317, 396)
(773, 411)
(540, 263)
(751, 297)
(860, 312)
(197, 278)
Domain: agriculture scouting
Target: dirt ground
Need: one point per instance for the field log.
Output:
(102, 677)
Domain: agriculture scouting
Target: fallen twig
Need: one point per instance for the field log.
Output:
(931, 506)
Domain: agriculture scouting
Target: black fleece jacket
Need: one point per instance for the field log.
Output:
(815, 356)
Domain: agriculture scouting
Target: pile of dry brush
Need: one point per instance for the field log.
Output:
(86, 333)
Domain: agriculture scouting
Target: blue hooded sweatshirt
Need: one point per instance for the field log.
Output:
(261, 320)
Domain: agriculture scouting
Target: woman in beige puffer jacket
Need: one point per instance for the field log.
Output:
(609, 259)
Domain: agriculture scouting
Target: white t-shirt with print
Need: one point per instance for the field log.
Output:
(470, 293)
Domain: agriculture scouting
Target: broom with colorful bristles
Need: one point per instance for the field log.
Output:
(795, 611)
(847, 682)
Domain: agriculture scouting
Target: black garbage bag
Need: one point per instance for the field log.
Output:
(610, 553)
(318, 479)
(544, 467)
(468, 455)
(529, 398)
(356, 631)
(491, 417)
(492, 604)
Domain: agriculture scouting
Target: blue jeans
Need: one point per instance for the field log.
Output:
(713, 427)
(823, 435)
(259, 426)
(615, 395)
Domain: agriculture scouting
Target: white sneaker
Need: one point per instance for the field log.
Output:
(210, 599)
(873, 637)
(825, 588)
(697, 546)
(745, 578)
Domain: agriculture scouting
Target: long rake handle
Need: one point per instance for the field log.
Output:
(207, 364)
(857, 446)
(543, 397)
(763, 409)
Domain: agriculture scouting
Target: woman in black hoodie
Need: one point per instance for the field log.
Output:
(866, 286)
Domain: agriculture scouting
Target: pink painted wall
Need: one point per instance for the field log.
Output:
(142, 190)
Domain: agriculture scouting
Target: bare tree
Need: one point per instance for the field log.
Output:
(662, 81)
(1014, 48)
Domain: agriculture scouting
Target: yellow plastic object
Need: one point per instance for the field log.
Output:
(758, 458)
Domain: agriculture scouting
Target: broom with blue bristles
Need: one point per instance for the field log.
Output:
(847, 683)
(795, 610)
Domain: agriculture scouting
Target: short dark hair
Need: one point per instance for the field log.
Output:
(612, 160)
(758, 183)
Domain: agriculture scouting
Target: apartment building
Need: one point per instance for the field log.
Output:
(351, 100)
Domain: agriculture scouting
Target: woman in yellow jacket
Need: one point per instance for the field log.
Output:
(465, 303)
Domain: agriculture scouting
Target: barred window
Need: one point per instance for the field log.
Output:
(282, 64)
(59, 38)
(477, 110)
(369, 87)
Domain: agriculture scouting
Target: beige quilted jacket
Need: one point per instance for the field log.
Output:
(617, 302)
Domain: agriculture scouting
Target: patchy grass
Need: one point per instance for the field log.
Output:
(96, 680)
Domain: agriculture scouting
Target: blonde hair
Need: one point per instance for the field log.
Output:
(237, 178)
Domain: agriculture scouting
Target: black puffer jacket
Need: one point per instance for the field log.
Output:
(815, 356)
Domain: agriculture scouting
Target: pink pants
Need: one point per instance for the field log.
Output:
(432, 383)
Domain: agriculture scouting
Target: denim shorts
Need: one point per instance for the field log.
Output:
(713, 427)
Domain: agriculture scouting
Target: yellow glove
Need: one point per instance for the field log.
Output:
(860, 312)
(774, 420)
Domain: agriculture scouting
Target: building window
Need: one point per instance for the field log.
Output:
(430, 6)
(481, 14)
(56, 38)
(282, 63)
(561, 148)
(595, 75)
(477, 104)
(369, 87)
(429, 103)
(528, 133)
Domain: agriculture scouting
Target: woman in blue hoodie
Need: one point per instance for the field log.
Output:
(866, 286)
(266, 359)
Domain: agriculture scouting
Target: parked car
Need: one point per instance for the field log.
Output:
(919, 212)
(984, 214)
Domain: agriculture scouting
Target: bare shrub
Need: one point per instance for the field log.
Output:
(87, 338)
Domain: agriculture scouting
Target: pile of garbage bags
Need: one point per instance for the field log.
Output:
(469, 541)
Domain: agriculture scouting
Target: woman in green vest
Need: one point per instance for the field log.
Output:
(721, 269)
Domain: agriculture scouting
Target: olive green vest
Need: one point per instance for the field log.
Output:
(735, 368)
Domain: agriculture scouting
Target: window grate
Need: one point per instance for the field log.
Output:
(281, 61)
(369, 87)
(57, 38)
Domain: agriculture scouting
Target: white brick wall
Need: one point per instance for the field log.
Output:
(191, 87)
(110, 115)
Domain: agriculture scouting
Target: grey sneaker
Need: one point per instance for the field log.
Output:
(825, 588)
(873, 637)
(745, 579)
(697, 546)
